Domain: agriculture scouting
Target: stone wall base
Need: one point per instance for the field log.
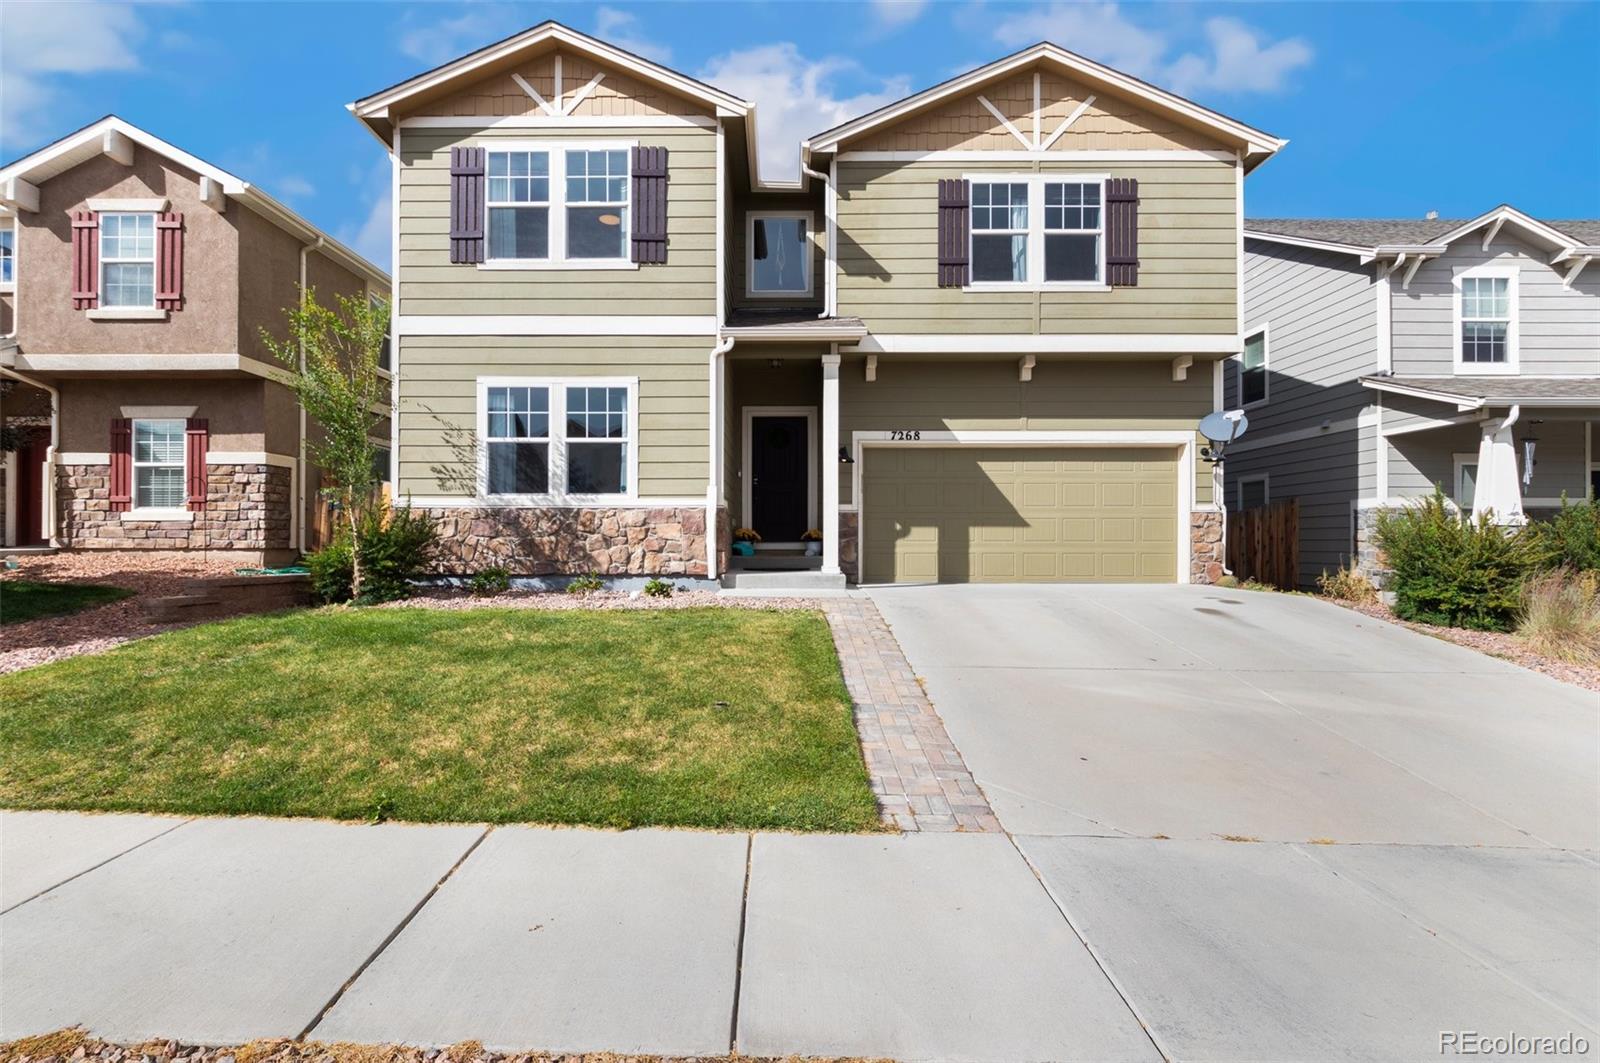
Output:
(1369, 559)
(1206, 547)
(608, 541)
(247, 509)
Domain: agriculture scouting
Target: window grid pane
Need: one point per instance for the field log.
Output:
(597, 413)
(1485, 320)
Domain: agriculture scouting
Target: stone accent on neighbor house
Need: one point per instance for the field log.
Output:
(1369, 559)
(849, 549)
(606, 540)
(247, 508)
(1206, 548)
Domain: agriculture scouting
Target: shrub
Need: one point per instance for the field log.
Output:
(330, 571)
(587, 583)
(1452, 570)
(656, 587)
(396, 546)
(490, 581)
(1347, 585)
(1560, 615)
(1571, 539)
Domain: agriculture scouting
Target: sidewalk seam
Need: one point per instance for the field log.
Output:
(96, 867)
(339, 993)
(738, 953)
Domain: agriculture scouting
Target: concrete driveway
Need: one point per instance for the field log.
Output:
(1284, 830)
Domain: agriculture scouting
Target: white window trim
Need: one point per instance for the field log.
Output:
(1459, 463)
(136, 512)
(557, 439)
(750, 219)
(1265, 331)
(557, 205)
(1036, 233)
(1511, 365)
(1264, 479)
(129, 311)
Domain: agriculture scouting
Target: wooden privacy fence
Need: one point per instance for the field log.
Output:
(325, 517)
(1264, 544)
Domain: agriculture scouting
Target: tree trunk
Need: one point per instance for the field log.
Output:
(355, 547)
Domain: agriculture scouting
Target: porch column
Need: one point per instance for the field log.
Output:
(1497, 490)
(829, 469)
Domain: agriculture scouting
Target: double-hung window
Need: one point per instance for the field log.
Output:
(1038, 232)
(558, 206)
(548, 440)
(1486, 309)
(128, 260)
(158, 470)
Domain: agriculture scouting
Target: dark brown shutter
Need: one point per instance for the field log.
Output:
(121, 464)
(650, 205)
(169, 261)
(196, 440)
(1122, 232)
(85, 260)
(955, 226)
(466, 204)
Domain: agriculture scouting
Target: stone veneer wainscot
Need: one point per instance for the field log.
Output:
(606, 540)
(247, 508)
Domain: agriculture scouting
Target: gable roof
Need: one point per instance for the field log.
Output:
(1255, 143)
(104, 136)
(1374, 236)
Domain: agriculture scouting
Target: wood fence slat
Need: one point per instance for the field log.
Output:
(1264, 544)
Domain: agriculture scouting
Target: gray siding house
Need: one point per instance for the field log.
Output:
(1382, 358)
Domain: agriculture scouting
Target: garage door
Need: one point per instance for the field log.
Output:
(1019, 515)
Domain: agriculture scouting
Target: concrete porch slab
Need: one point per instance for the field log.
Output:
(39, 850)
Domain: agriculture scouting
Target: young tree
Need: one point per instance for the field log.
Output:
(332, 356)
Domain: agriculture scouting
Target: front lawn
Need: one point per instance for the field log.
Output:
(689, 717)
(26, 599)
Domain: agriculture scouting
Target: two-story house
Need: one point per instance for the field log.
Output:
(1384, 358)
(149, 411)
(972, 342)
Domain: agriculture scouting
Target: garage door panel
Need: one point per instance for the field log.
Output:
(999, 514)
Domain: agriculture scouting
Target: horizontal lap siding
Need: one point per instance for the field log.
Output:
(1187, 248)
(438, 400)
(685, 284)
(1326, 476)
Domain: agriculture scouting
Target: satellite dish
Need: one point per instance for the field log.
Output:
(1222, 428)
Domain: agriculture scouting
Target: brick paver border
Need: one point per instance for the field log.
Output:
(920, 780)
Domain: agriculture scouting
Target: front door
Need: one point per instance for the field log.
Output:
(779, 468)
(30, 489)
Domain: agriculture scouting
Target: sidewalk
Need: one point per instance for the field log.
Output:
(914, 946)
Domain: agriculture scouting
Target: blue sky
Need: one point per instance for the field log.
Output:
(1392, 109)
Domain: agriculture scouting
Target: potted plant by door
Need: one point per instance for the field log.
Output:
(744, 541)
(813, 541)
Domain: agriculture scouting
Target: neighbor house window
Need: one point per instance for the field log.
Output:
(1072, 231)
(8, 255)
(1486, 305)
(1000, 231)
(1038, 232)
(128, 260)
(551, 439)
(1253, 370)
(558, 206)
(1252, 492)
(779, 254)
(158, 473)
(1466, 483)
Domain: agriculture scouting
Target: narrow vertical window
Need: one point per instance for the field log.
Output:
(1253, 370)
(128, 260)
(8, 255)
(1485, 320)
(158, 469)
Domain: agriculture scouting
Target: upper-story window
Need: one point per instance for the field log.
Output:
(1486, 320)
(779, 245)
(1038, 232)
(1253, 369)
(558, 206)
(8, 255)
(128, 260)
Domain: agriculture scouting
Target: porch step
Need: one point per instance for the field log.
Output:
(783, 581)
(774, 560)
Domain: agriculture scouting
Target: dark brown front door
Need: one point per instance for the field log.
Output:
(30, 491)
(779, 466)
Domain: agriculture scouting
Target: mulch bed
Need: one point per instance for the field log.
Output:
(1494, 643)
(67, 1046)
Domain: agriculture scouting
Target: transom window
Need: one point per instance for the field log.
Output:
(1038, 231)
(128, 260)
(158, 472)
(558, 206)
(1487, 328)
(585, 453)
(779, 254)
(1253, 370)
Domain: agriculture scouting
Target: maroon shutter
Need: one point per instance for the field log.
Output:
(121, 464)
(466, 204)
(650, 205)
(1122, 232)
(196, 440)
(169, 261)
(955, 226)
(85, 260)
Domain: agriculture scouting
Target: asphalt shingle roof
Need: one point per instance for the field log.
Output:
(1370, 232)
(1498, 389)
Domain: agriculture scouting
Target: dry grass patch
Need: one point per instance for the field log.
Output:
(1560, 616)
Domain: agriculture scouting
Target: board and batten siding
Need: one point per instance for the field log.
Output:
(1188, 248)
(987, 396)
(438, 402)
(1558, 327)
(684, 285)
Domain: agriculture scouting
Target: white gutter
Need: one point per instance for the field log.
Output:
(714, 456)
(829, 212)
(49, 454)
(297, 519)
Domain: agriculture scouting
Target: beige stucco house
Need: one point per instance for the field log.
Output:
(972, 342)
(136, 284)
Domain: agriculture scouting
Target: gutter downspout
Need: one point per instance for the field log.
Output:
(50, 452)
(828, 220)
(297, 519)
(713, 481)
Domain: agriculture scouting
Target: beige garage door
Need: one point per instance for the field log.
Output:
(1019, 515)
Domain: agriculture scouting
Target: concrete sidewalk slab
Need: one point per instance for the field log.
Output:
(39, 850)
(918, 947)
(1239, 951)
(217, 933)
(566, 941)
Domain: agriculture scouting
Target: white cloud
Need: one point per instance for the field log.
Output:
(1236, 60)
(622, 29)
(42, 43)
(439, 42)
(370, 237)
(794, 97)
(293, 186)
(892, 14)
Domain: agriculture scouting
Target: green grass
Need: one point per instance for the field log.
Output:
(692, 717)
(26, 599)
